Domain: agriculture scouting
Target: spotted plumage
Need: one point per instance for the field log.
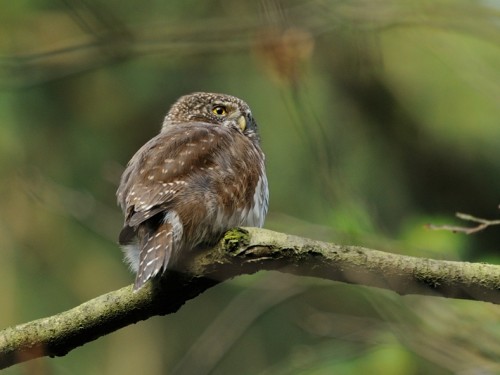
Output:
(202, 175)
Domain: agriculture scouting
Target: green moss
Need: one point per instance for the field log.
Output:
(235, 240)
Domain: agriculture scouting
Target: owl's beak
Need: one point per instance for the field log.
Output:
(242, 122)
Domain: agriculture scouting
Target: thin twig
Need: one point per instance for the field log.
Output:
(483, 224)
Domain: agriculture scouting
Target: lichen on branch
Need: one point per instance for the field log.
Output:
(245, 251)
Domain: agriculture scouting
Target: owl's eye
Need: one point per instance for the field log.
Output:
(219, 110)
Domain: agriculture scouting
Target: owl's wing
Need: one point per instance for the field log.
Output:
(159, 170)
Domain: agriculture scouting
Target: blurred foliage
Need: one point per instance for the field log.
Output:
(376, 118)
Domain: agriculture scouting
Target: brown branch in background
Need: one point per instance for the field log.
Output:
(482, 224)
(240, 252)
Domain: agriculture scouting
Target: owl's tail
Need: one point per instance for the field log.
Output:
(156, 250)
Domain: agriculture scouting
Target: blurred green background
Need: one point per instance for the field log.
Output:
(377, 117)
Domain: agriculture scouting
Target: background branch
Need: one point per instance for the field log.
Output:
(482, 224)
(245, 251)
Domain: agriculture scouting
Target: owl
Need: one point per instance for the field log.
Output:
(201, 175)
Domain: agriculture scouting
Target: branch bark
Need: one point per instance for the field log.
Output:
(246, 251)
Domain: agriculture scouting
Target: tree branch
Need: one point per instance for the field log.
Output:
(482, 224)
(246, 251)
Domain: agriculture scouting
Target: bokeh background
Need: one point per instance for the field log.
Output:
(377, 117)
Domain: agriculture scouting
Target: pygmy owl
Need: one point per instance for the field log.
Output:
(202, 175)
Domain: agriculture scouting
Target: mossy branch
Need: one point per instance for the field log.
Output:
(245, 251)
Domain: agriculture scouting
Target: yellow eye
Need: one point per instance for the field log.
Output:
(219, 110)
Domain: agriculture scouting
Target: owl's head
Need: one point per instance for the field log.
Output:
(211, 108)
